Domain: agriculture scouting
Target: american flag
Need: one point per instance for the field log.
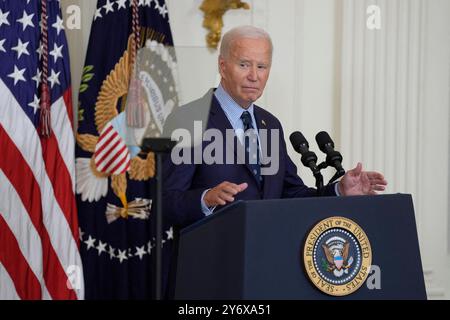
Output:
(39, 235)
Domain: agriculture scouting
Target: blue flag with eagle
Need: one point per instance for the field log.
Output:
(115, 179)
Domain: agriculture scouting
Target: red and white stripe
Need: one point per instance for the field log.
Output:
(39, 235)
(111, 153)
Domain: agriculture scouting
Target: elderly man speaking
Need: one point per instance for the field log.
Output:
(193, 189)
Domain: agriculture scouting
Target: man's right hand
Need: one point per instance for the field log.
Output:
(223, 193)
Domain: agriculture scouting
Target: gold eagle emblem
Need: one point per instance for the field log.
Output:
(113, 88)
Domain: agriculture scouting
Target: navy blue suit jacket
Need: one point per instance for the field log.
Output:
(184, 184)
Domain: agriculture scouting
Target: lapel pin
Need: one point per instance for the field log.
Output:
(263, 122)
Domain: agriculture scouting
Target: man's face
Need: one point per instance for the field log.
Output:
(246, 70)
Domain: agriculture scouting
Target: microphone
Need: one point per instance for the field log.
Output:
(301, 145)
(326, 145)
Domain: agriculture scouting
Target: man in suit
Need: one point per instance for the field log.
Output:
(194, 190)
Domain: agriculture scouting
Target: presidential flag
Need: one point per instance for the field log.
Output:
(39, 235)
(115, 182)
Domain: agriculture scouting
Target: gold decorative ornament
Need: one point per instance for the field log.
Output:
(213, 17)
(87, 142)
(337, 256)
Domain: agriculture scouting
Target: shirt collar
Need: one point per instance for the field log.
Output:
(232, 110)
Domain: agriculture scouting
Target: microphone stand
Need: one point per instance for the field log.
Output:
(337, 175)
(159, 146)
(319, 181)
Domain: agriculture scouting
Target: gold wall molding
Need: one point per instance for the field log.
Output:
(213, 17)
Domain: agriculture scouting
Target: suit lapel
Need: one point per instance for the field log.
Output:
(219, 120)
(217, 116)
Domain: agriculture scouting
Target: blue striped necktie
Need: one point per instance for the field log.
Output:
(252, 155)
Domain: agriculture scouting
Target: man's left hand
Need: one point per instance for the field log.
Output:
(357, 182)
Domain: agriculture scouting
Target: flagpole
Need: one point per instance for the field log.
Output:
(159, 146)
(158, 266)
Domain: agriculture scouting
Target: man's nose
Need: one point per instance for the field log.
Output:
(253, 74)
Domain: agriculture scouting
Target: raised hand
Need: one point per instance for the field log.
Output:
(357, 182)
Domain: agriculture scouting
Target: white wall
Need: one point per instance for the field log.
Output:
(434, 190)
(308, 91)
(394, 108)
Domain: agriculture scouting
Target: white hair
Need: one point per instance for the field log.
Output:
(249, 32)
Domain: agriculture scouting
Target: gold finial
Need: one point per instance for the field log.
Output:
(214, 11)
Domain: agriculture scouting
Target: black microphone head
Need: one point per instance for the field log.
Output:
(298, 141)
(323, 139)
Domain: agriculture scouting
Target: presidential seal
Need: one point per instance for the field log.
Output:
(337, 256)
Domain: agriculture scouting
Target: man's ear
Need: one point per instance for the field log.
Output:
(222, 65)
